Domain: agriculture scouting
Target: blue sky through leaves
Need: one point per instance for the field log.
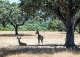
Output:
(11, 1)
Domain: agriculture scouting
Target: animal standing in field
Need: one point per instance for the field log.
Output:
(21, 43)
(40, 37)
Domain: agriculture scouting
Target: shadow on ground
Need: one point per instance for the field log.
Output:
(12, 35)
(34, 50)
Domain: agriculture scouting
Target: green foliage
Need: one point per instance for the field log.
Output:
(56, 25)
(4, 4)
(17, 16)
(8, 28)
(53, 25)
(32, 24)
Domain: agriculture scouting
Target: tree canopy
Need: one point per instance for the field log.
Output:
(4, 4)
(12, 14)
(17, 17)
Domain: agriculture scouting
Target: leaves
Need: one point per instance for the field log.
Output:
(4, 4)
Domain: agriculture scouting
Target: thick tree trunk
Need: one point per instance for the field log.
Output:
(69, 43)
(16, 30)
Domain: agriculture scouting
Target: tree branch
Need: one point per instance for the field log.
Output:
(22, 23)
(60, 16)
(75, 10)
(63, 4)
(77, 22)
(66, 7)
(56, 11)
(9, 17)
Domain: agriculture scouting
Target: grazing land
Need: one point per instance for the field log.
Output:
(9, 46)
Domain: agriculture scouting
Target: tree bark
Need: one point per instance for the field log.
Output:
(69, 43)
(16, 30)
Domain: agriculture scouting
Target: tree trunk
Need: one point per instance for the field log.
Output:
(69, 43)
(16, 30)
(79, 28)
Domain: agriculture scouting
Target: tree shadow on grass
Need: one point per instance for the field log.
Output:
(34, 50)
(12, 35)
(30, 50)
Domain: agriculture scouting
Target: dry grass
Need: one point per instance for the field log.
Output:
(9, 41)
(61, 54)
(30, 38)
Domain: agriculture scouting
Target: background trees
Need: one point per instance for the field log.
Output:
(56, 25)
(9, 14)
(16, 17)
(12, 14)
(4, 4)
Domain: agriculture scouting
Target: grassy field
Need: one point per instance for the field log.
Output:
(61, 54)
(9, 46)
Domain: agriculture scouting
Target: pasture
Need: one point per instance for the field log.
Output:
(9, 46)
